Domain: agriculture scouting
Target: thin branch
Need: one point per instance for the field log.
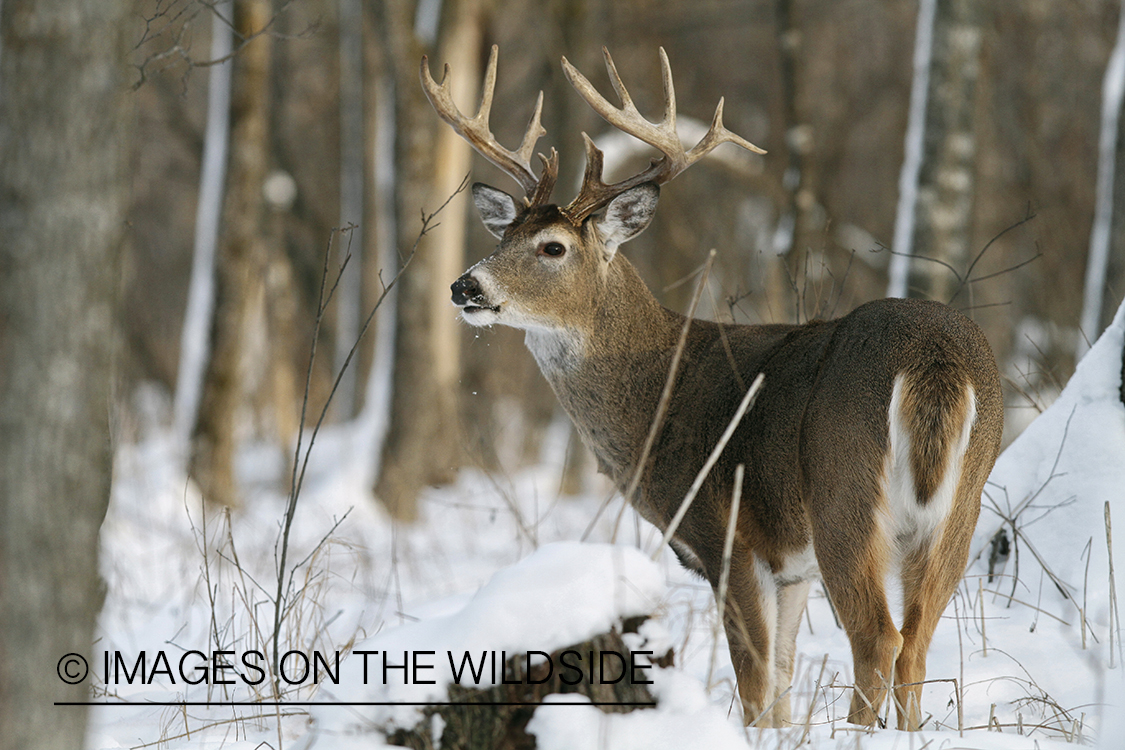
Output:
(747, 402)
(297, 480)
(1028, 216)
(665, 397)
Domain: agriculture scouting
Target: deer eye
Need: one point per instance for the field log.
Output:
(552, 249)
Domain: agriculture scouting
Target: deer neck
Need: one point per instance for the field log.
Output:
(604, 367)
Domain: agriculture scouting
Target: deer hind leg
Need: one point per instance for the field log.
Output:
(934, 492)
(929, 576)
(845, 500)
(858, 594)
(750, 619)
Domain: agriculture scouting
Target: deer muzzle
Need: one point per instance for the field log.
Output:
(469, 296)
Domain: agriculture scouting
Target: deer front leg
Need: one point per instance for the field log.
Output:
(750, 620)
(791, 600)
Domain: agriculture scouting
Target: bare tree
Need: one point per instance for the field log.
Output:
(348, 296)
(241, 260)
(421, 446)
(1095, 312)
(946, 170)
(65, 123)
(201, 291)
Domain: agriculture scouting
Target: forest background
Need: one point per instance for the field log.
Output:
(177, 173)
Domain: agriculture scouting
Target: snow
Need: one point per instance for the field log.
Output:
(493, 565)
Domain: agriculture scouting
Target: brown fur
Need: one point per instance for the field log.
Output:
(814, 446)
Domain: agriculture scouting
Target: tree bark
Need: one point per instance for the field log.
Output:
(1115, 266)
(947, 173)
(349, 297)
(241, 261)
(65, 122)
(200, 308)
(422, 441)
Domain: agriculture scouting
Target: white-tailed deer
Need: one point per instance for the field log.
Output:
(867, 447)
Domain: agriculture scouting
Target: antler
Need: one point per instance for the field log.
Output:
(594, 193)
(475, 130)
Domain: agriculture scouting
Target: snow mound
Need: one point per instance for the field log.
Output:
(1050, 493)
(562, 594)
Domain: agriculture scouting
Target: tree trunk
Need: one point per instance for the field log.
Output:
(947, 173)
(349, 297)
(422, 441)
(1114, 290)
(64, 130)
(1096, 310)
(200, 309)
(241, 262)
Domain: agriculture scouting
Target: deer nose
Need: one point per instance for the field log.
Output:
(464, 289)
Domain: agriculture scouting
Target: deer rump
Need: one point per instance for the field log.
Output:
(865, 454)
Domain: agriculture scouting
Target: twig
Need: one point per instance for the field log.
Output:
(1028, 216)
(1114, 615)
(724, 574)
(665, 398)
(743, 407)
(298, 478)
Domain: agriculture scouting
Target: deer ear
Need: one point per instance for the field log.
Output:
(627, 215)
(497, 209)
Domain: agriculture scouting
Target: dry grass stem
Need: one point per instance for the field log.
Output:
(724, 575)
(665, 397)
(743, 407)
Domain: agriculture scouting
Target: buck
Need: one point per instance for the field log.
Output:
(866, 450)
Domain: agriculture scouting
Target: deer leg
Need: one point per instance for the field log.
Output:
(750, 620)
(791, 600)
(853, 561)
(930, 574)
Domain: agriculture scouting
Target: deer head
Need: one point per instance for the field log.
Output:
(553, 261)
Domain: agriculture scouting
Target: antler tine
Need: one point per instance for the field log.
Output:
(534, 132)
(716, 135)
(628, 118)
(476, 130)
(594, 193)
(618, 85)
(488, 87)
(669, 90)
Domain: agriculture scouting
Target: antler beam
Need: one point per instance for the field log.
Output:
(475, 130)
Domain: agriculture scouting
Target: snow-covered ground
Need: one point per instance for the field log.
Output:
(494, 565)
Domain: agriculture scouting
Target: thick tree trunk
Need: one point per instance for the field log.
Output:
(241, 261)
(64, 128)
(947, 172)
(422, 441)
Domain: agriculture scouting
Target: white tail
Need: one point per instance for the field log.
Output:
(867, 448)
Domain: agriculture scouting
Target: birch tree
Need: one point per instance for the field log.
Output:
(1095, 312)
(195, 338)
(935, 219)
(348, 295)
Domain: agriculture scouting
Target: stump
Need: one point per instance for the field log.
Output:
(497, 717)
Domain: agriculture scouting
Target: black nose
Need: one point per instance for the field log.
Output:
(464, 289)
